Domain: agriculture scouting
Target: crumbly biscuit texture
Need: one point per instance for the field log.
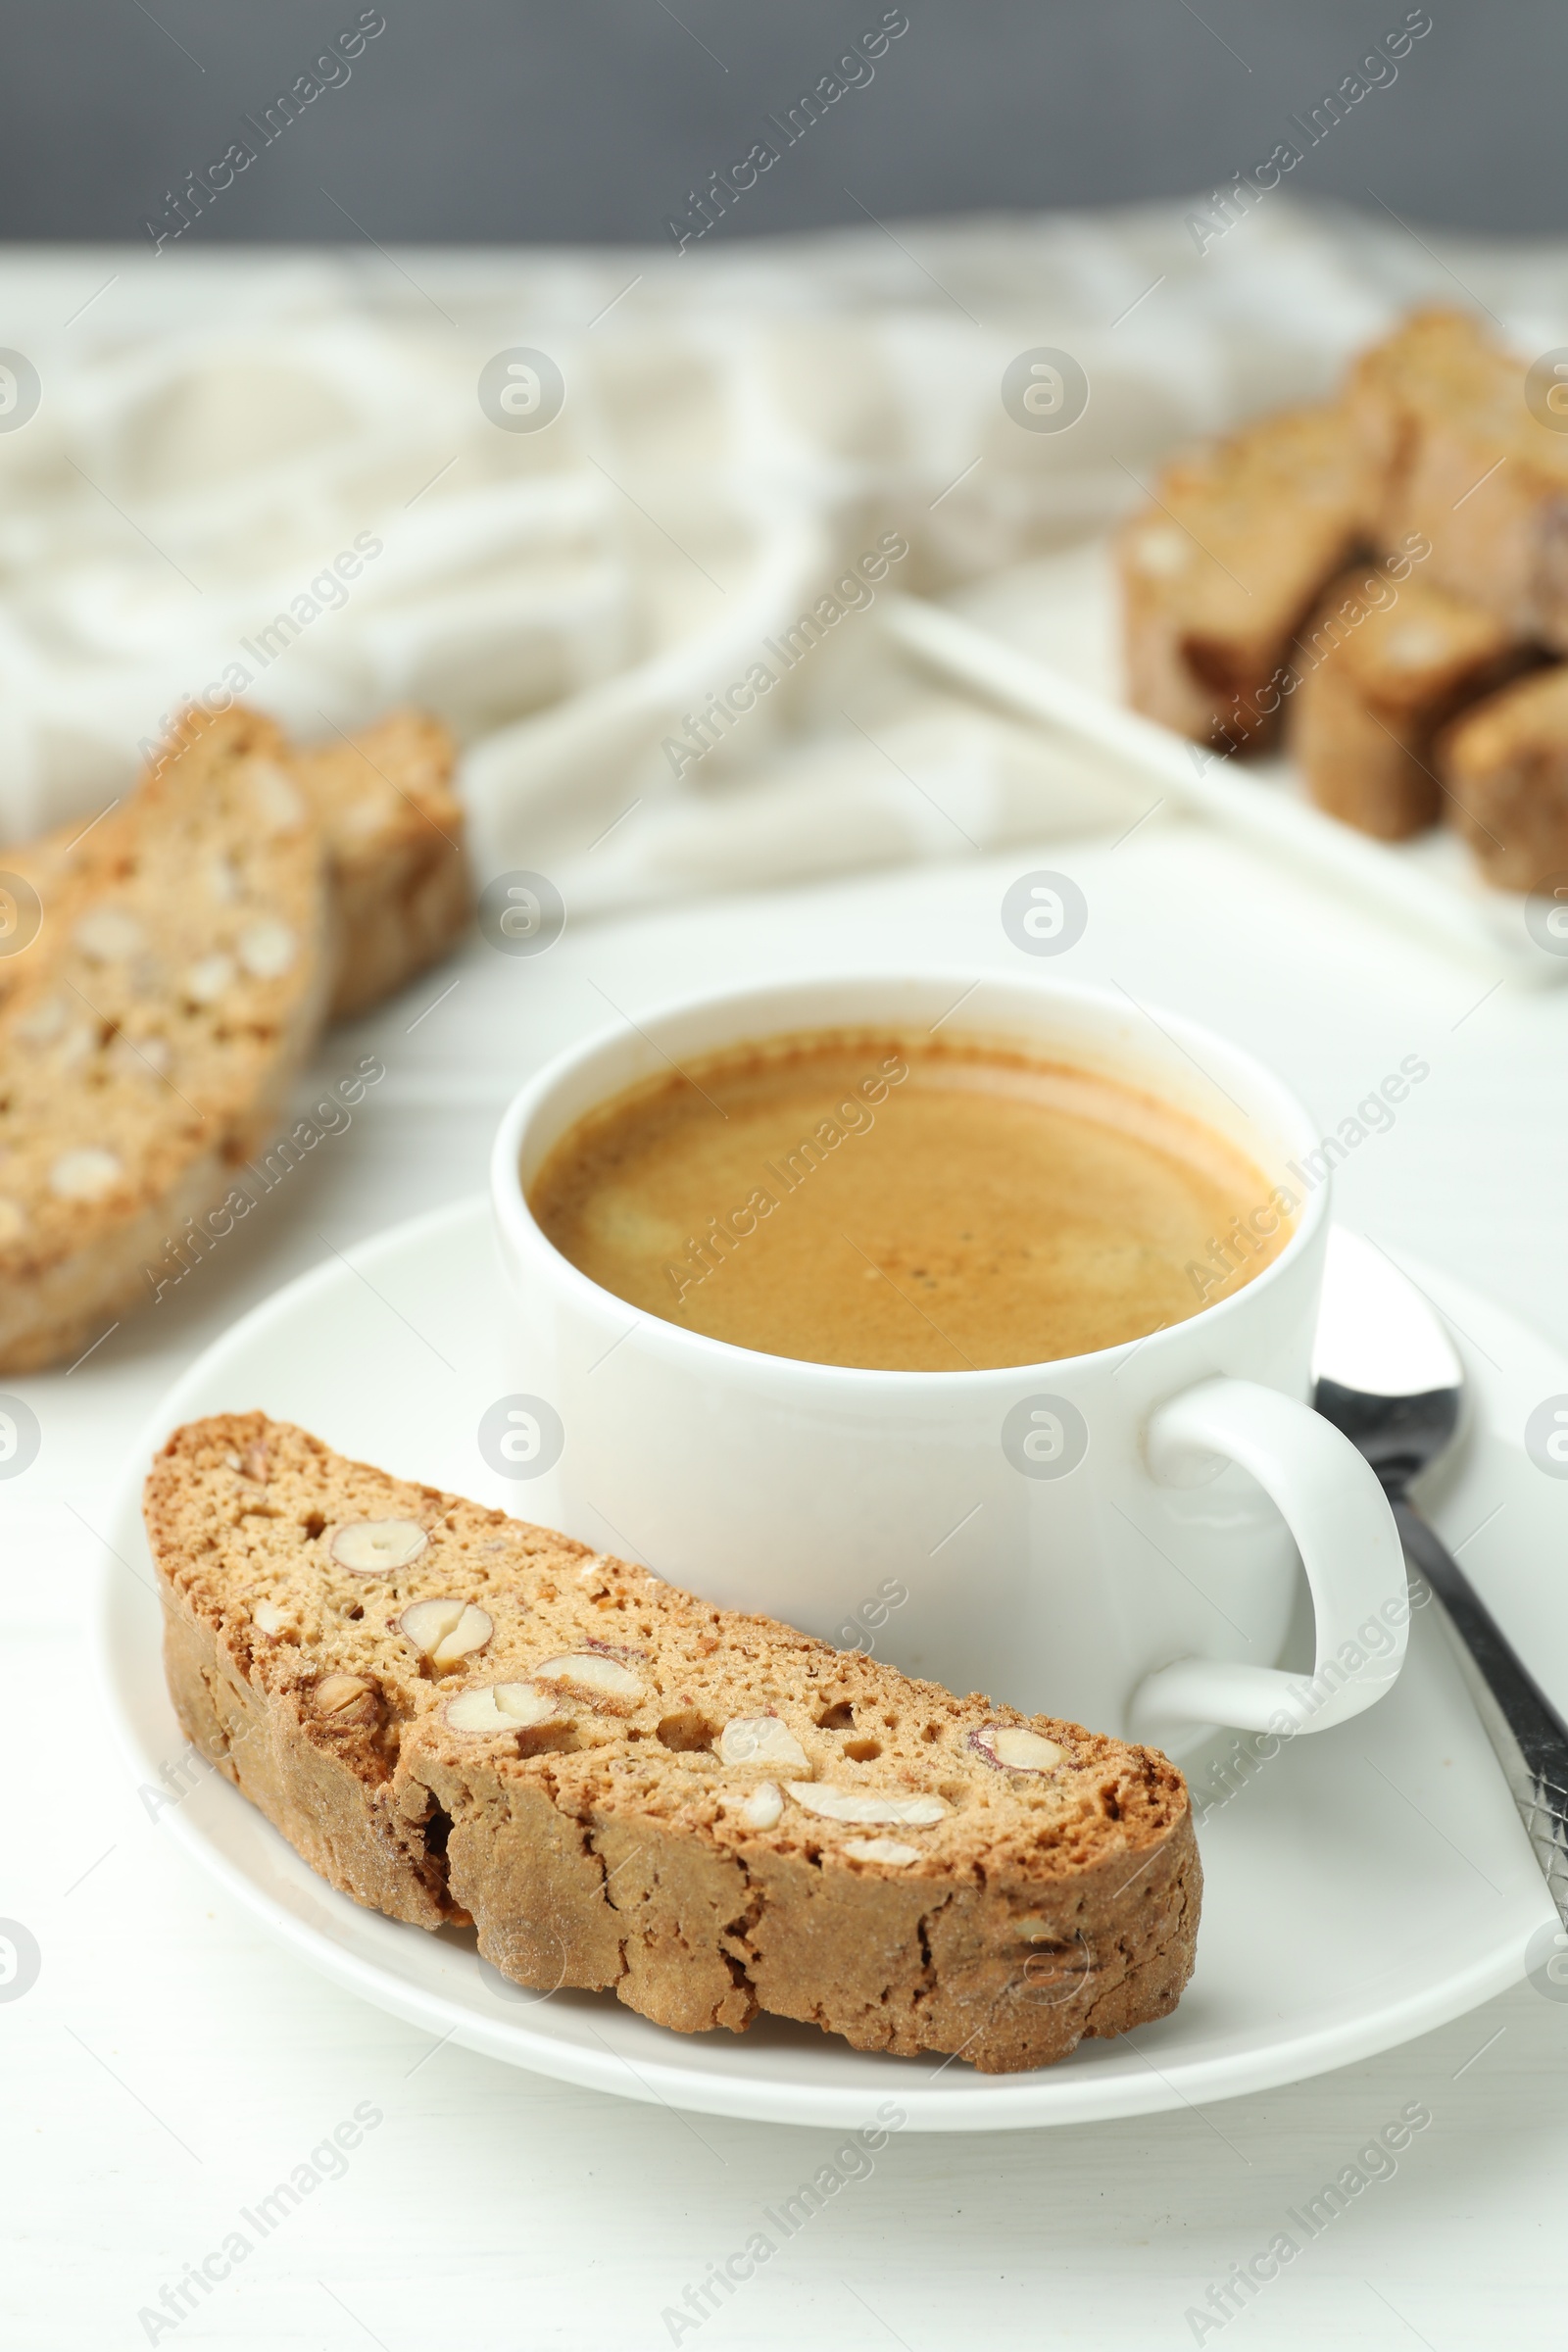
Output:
(393, 831)
(1382, 667)
(455, 1716)
(1468, 467)
(149, 1033)
(401, 894)
(1220, 570)
(1505, 765)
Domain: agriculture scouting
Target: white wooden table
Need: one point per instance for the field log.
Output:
(170, 2066)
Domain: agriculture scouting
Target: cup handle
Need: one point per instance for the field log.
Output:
(1330, 1499)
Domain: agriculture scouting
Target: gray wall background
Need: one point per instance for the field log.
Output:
(476, 122)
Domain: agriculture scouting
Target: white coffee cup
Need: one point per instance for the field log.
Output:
(1116, 1537)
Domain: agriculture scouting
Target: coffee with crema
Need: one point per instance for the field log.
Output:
(854, 1198)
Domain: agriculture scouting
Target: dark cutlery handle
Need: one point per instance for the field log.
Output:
(1529, 1736)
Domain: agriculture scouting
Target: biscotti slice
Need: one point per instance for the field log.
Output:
(1437, 359)
(397, 865)
(1380, 669)
(151, 1030)
(1469, 468)
(401, 890)
(1218, 574)
(455, 1716)
(1506, 766)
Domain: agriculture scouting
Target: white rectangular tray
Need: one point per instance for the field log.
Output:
(1044, 641)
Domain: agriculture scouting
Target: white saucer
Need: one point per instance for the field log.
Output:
(1366, 1886)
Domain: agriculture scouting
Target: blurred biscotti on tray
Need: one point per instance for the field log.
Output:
(459, 1718)
(1468, 465)
(1378, 673)
(174, 962)
(149, 1033)
(1220, 573)
(1506, 766)
(1403, 551)
(396, 861)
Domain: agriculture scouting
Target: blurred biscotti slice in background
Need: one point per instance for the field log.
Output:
(1220, 570)
(1444, 453)
(456, 1717)
(1381, 667)
(1506, 766)
(150, 1032)
(1470, 466)
(393, 828)
(396, 859)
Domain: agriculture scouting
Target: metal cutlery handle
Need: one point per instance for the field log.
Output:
(1526, 1731)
